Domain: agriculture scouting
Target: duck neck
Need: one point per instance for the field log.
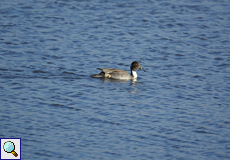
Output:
(134, 74)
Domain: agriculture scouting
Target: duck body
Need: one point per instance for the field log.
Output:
(118, 73)
(114, 73)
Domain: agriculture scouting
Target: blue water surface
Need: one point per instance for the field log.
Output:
(178, 109)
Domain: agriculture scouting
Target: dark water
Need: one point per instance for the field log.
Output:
(178, 109)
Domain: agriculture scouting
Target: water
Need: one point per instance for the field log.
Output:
(178, 109)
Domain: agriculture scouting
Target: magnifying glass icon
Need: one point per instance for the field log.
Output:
(9, 147)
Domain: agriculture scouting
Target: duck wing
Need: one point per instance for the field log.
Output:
(110, 70)
(115, 73)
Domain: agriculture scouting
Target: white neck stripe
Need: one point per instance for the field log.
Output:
(134, 74)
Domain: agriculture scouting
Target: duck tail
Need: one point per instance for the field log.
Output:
(100, 75)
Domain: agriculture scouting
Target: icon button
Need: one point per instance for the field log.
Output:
(9, 147)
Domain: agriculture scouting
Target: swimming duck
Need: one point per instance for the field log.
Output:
(118, 73)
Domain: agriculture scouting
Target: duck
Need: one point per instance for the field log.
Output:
(118, 73)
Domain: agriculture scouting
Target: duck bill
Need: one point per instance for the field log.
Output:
(143, 69)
